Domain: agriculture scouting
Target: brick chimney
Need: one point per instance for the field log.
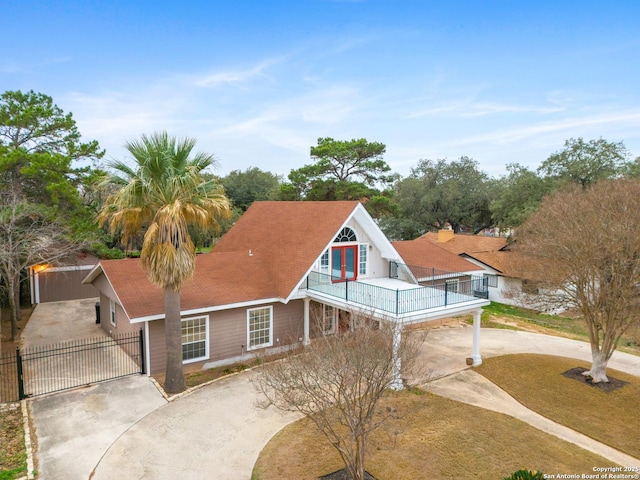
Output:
(445, 234)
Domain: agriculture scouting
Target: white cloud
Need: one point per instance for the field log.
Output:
(14, 68)
(115, 116)
(236, 77)
(291, 122)
(468, 109)
(573, 126)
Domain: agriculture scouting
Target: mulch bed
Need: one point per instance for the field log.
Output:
(344, 475)
(576, 374)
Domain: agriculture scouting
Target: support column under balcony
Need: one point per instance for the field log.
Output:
(305, 334)
(475, 356)
(396, 382)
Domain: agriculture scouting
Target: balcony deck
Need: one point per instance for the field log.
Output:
(399, 299)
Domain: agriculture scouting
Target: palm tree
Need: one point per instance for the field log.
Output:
(165, 192)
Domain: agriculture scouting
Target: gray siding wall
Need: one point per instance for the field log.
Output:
(440, 282)
(122, 321)
(104, 286)
(157, 355)
(228, 333)
(59, 286)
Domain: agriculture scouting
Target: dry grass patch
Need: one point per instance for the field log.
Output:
(203, 376)
(196, 375)
(432, 437)
(12, 450)
(537, 382)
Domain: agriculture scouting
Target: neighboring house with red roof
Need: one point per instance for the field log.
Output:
(489, 254)
(285, 273)
(433, 265)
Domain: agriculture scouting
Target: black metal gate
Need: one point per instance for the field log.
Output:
(50, 368)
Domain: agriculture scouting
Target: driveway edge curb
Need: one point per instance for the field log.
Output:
(27, 439)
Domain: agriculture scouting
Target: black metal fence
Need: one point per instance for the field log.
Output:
(50, 368)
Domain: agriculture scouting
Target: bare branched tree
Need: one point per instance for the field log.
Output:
(29, 235)
(338, 382)
(582, 250)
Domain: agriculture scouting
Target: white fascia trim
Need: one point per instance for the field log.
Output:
(445, 312)
(373, 231)
(147, 349)
(68, 268)
(217, 308)
(485, 266)
(112, 288)
(32, 279)
(91, 276)
(406, 318)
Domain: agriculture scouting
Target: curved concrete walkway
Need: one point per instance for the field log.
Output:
(472, 388)
(218, 431)
(449, 379)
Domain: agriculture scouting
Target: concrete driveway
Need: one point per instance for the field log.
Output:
(218, 431)
(74, 429)
(56, 322)
(89, 354)
(445, 349)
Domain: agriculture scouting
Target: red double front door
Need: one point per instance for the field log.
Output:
(344, 263)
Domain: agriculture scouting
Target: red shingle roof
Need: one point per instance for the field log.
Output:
(460, 243)
(426, 254)
(264, 256)
(488, 250)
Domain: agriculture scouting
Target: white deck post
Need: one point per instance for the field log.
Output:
(477, 359)
(305, 334)
(396, 382)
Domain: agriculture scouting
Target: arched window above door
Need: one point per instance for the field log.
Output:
(346, 235)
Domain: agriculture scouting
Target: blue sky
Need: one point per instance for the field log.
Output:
(257, 82)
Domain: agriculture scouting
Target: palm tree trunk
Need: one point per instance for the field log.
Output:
(174, 378)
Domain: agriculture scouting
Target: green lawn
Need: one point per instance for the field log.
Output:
(537, 382)
(498, 315)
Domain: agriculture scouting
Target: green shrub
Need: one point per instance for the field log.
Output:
(102, 251)
(525, 475)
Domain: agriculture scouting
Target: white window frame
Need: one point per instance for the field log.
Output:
(206, 341)
(269, 343)
(324, 262)
(346, 235)
(330, 315)
(453, 285)
(363, 249)
(491, 280)
(112, 312)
